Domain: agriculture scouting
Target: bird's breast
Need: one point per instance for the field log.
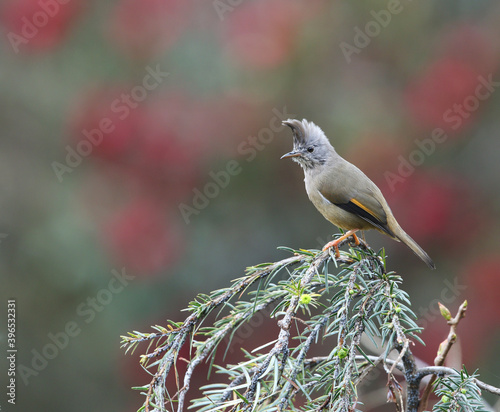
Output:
(334, 214)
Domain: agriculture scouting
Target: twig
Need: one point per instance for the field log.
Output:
(180, 334)
(299, 361)
(209, 345)
(343, 329)
(444, 348)
(410, 372)
(443, 370)
(419, 374)
(281, 345)
(311, 362)
(366, 308)
(402, 344)
(359, 327)
(490, 388)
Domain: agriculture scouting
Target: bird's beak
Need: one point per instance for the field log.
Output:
(293, 153)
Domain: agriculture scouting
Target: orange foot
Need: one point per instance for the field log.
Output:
(335, 243)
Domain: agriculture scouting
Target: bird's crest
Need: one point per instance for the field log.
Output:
(305, 132)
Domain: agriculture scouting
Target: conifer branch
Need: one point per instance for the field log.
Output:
(313, 295)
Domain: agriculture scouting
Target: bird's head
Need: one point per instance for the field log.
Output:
(311, 147)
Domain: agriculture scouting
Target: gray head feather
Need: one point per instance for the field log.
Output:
(310, 145)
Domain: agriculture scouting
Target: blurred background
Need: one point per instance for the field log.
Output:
(139, 166)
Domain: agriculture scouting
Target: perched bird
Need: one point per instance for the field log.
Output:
(341, 192)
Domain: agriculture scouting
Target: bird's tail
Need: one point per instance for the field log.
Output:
(401, 235)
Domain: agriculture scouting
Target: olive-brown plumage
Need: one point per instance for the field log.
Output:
(340, 191)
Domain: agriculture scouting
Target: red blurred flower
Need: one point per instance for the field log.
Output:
(484, 277)
(167, 158)
(483, 280)
(142, 28)
(142, 239)
(221, 124)
(262, 34)
(159, 145)
(478, 284)
(437, 208)
(432, 97)
(37, 25)
(183, 118)
(90, 116)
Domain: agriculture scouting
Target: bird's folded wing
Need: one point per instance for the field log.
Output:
(362, 204)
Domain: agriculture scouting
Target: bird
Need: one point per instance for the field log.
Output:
(341, 192)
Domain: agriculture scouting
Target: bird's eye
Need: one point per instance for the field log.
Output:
(310, 149)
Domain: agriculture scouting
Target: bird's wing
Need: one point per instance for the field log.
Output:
(361, 203)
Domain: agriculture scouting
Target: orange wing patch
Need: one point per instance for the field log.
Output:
(362, 207)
